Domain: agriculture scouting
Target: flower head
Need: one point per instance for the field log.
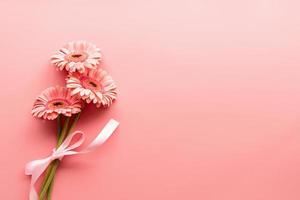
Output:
(54, 101)
(77, 56)
(93, 86)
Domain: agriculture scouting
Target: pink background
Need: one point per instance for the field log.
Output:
(209, 98)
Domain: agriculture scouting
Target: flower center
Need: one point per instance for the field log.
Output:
(77, 56)
(90, 83)
(57, 103)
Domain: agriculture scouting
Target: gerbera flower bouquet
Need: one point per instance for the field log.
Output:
(86, 83)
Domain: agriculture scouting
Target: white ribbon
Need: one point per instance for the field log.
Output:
(36, 168)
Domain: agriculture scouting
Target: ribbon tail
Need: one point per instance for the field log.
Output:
(33, 194)
(35, 169)
(106, 132)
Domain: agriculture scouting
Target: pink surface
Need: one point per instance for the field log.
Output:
(209, 98)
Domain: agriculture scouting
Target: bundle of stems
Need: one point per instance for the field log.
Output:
(64, 126)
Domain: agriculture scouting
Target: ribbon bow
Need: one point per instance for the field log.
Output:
(36, 168)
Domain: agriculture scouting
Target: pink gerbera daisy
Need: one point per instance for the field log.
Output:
(93, 86)
(54, 101)
(77, 56)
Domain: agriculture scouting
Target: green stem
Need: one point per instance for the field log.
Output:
(54, 164)
(49, 193)
(47, 187)
(64, 132)
(49, 180)
(47, 175)
(51, 184)
(59, 129)
(59, 125)
(74, 122)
